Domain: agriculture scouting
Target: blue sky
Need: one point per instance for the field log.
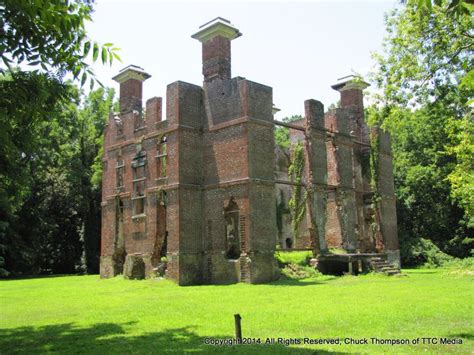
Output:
(298, 48)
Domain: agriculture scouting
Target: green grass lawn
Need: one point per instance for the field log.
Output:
(84, 314)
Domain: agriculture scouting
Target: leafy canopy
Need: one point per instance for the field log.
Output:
(51, 34)
(426, 81)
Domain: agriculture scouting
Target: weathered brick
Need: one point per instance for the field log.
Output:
(199, 187)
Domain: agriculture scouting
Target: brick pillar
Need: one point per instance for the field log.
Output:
(346, 197)
(317, 165)
(259, 243)
(184, 169)
(351, 90)
(215, 37)
(386, 206)
(153, 110)
(131, 80)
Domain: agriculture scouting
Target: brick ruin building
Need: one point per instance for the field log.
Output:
(200, 187)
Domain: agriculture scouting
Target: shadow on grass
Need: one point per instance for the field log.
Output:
(112, 338)
(466, 336)
(32, 277)
(286, 281)
(420, 271)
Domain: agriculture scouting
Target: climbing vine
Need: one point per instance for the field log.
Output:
(374, 158)
(374, 179)
(297, 203)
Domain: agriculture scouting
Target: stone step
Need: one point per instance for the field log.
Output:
(381, 265)
(378, 261)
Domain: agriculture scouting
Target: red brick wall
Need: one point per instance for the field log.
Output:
(216, 58)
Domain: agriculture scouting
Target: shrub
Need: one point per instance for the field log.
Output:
(422, 251)
(293, 257)
(295, 271)
(462, 264)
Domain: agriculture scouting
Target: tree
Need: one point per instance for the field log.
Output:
(55, 226)
(51, 34)
(282, 134)
(50, 37)
(454, 7)
(88, 161)
(428, 54)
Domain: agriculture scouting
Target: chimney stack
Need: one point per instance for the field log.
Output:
(351, 88)
(131, 80)
(215, 37)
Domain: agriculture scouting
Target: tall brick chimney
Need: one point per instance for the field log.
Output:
(351, 88)
(131, 80)
(215, 37)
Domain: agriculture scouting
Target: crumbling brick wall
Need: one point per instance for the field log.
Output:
(360, 214)
(198, 189)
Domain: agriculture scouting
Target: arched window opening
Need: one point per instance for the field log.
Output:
(231, 214)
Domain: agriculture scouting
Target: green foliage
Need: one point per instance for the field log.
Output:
(297, 202)
(87, 170)
(293, 257)
(427, 65)
(423, 252)
(426, 55)
(466, 264)
(455, 8)
(51, 34)
(50, 206)
(298, 272)
(461, 134)
(422, 166)
(374, 153)
(282, 134)
(25, 99)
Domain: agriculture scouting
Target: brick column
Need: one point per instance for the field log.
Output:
(153, 110)
(346, 196)
(386, 206)
(351, 90)
(316, 169)
(184, 170)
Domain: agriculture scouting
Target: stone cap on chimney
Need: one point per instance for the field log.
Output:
(350, 82)
(216, 27)
(131, 72)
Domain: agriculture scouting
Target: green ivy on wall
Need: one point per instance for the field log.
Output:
(297, 203)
